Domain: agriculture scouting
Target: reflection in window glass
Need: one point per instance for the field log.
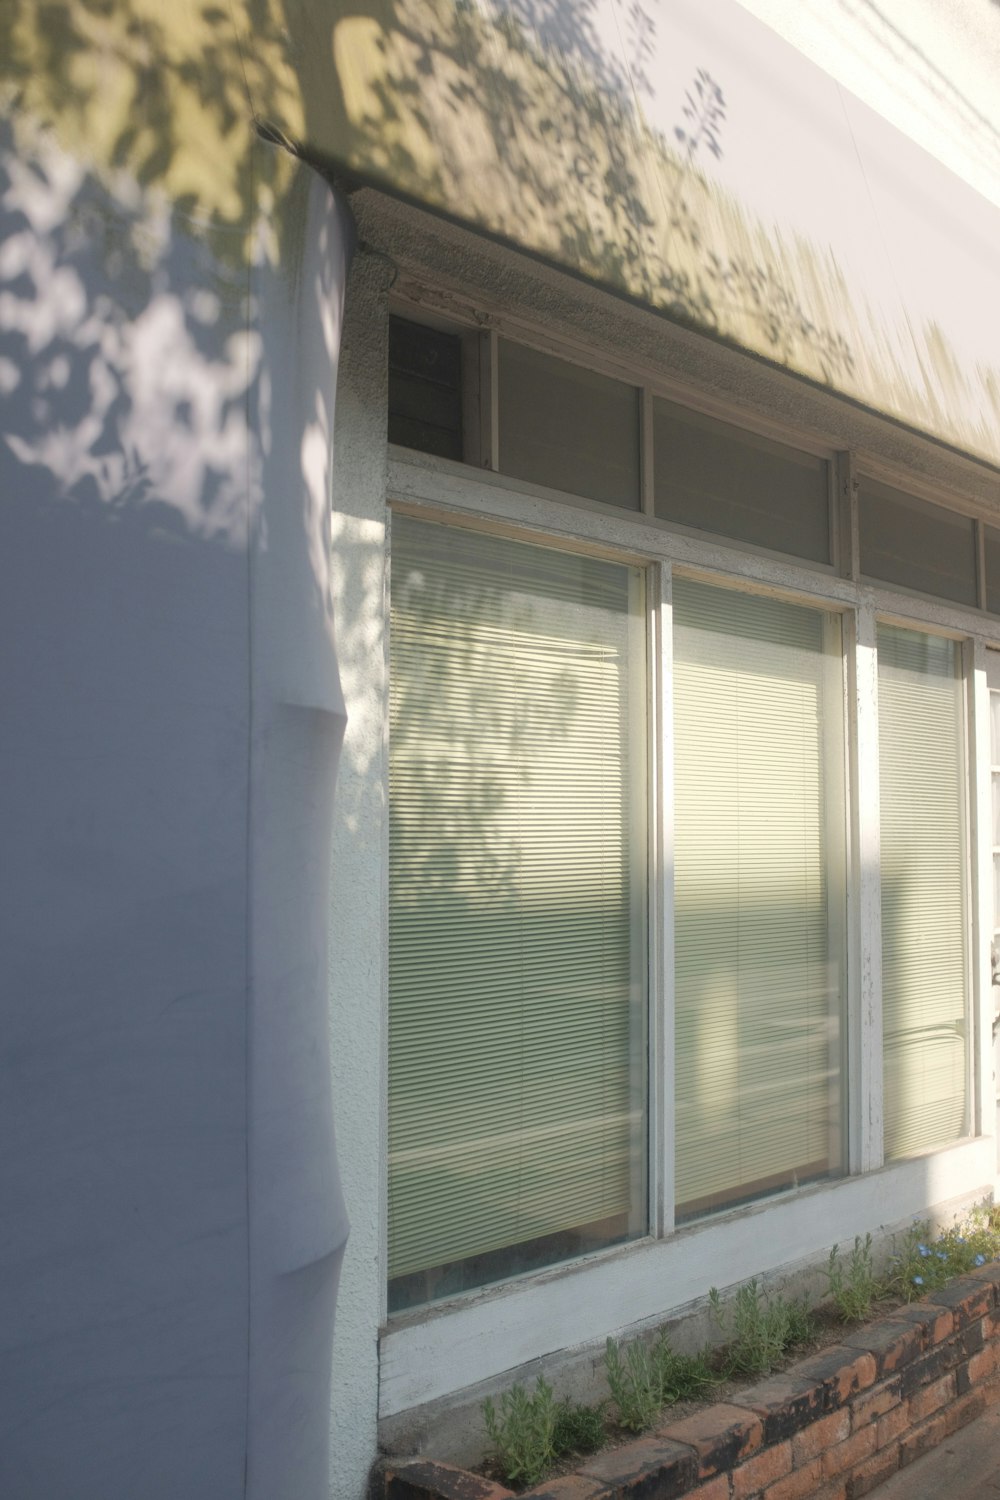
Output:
(517, 952)
(567, 427)
(916, 545)
(758, 894)
(719, 478)
(425, 388)
(924, 910)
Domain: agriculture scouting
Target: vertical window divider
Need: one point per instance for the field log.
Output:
(846, 533)
(661, 887)
(646, 492)
(865, 1144)
(980, 885)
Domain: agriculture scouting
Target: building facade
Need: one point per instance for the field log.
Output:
(573, 433)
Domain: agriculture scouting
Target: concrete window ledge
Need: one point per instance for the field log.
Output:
(832, 1427)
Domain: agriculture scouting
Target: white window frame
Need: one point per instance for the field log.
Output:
(437, 1350)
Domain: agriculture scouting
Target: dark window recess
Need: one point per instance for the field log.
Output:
(567, 427)
(425, 389)
(916, 545)
(718, 478)
(992, 541)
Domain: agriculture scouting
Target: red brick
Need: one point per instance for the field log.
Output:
(873, 1472)
(569, 1487)
(924, 1403)
(870, 1405)
(966, 1409)
(893, 1342)
(967, 1297)
(761, 1470)
(721, 1436)
(801, 1484)
(891, 1426)
(636, 1467)
(819, 1435)
(789, 1402)
(712, 1489)
(936, 1323)
(982, 1365)
(847, 1456)
(989, 1273)
(413, 1479)
(920, 1440)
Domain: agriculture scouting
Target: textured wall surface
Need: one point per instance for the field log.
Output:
(172, 717)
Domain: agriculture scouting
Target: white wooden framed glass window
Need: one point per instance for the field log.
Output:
(763, 738)
(759, 896)
(517, 882)
(926, 1009)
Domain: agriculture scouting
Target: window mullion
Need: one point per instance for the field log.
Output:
(661, 782)
(865, 1010)
(981, 889)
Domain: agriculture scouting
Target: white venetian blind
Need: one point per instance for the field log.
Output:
(924, 960)
(759, 895)
(517, 956)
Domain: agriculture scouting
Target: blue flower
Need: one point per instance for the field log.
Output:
(923, 1250)
(941, 1255)
(918, 1281)
(980, 1260)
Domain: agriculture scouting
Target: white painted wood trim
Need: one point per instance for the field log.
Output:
(662, 1093)
(865, 1008)
(443, 1350)
(981, 892)
(510, 507)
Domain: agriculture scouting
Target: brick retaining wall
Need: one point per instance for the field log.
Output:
(832, 1427)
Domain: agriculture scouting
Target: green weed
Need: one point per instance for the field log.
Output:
(759, 1329)
(643, 1378)
(523, 1432)
(854, 1286)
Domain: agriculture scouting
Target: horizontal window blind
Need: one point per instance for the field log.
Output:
(924, 917)
(759, 895)
(517, 950)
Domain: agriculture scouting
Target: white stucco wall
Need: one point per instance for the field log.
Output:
(168, 749)
(929, 67)
(358, 886)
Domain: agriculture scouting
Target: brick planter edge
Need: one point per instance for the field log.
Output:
(832, 1427)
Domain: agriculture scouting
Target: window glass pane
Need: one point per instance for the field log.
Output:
(924, 917)
(567, 427)
(425, 388)
(517, 893)
(719, 478)
(917, 545)
(759, 895)
(991, 541)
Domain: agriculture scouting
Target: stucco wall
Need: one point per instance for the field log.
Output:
(929, 67)
(171, 722)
